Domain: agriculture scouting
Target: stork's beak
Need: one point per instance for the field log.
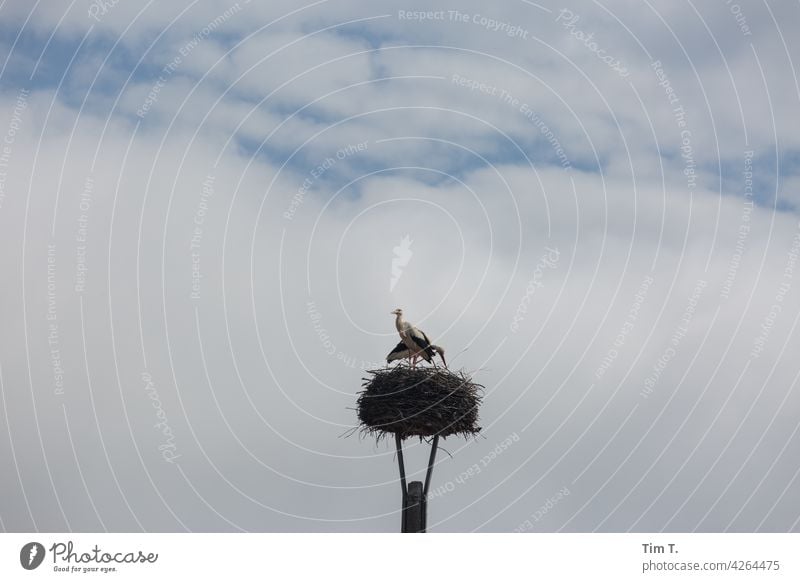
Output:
(441, 355)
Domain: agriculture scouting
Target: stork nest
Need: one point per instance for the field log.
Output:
(422, 401)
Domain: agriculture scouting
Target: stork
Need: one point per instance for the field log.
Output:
(418, 344)
(401, 351)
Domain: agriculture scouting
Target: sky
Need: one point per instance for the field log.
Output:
(208, 211)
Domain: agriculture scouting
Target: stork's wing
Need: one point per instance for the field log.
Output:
(420, 339)
(399, 348)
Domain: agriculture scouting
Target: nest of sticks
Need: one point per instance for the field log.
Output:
(422, 401)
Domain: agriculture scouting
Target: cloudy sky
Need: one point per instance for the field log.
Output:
(208, 210)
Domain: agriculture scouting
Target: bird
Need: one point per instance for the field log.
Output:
(416, 341)
(401, 351)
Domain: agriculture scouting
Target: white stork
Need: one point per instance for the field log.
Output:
(401, 352)
(418, 344)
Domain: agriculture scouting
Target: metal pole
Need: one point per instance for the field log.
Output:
(415, 505)
(399, 443)
(431, 459)
(415, 512)
(434, 446)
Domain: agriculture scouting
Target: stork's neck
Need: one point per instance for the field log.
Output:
(400, 323)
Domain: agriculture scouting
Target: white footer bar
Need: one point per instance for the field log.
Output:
(390, 557)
